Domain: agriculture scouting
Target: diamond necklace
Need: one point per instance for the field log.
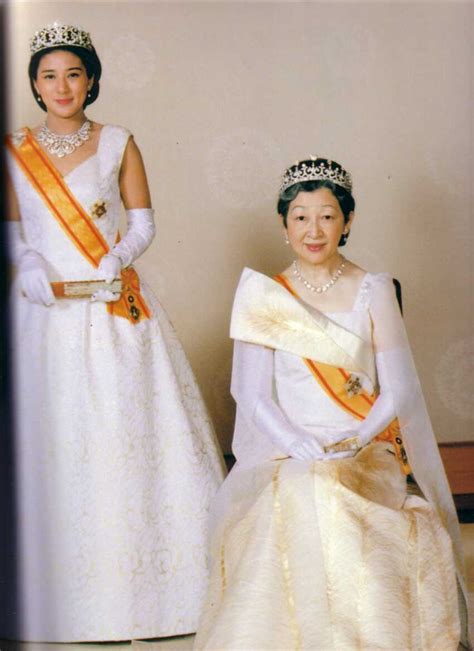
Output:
(61, 145)
(322, 288)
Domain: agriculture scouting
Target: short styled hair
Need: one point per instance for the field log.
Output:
(345, 199)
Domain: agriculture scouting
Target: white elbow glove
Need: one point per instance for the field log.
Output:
(32, 267)
(140, 233)
(109, 268)
(252, 382)
(383, 410)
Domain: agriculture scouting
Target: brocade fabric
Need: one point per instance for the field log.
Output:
(117, 460)
(329, 555)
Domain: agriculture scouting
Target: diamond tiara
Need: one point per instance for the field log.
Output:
(316, 169)
(56, 35)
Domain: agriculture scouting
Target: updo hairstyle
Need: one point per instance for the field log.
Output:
(89, 59)
(345, 199)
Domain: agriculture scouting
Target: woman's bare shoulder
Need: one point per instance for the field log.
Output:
(354, 271)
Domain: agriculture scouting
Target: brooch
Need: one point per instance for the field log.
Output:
(99, 209)
(353, 386)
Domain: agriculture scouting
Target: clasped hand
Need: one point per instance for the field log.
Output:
(309, 448)
(109, 268)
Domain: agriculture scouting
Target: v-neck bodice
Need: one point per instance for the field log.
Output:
(116, 458)
(65, 175)
(94, 180)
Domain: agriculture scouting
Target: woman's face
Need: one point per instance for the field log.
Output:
(315, 223)
(62, 83)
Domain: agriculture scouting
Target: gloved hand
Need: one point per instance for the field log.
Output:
(109, 268)
(252, 380)
(32, 267)
(309, 449)
(140, 233)
(382, 412)
(33, 279)
(105, 295)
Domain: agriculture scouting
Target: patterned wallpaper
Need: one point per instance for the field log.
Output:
(222, 96)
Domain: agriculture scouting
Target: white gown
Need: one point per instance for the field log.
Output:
(320, 555)
(117, 460)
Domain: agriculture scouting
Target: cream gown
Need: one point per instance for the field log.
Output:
(324, 555)
(117, 460)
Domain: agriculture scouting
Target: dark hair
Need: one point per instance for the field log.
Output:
(345, 199)
(88, 57)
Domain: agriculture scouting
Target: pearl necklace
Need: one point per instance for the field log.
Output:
(63, 145)
(322, 288)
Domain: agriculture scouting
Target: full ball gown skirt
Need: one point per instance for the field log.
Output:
(117, 461)
(322, 556)
(325, 555)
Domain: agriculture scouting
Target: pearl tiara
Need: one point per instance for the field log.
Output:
(316, 169)
(56, 35)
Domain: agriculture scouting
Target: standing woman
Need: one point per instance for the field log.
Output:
(316, 542)
(117, 460)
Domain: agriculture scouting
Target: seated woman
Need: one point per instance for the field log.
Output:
(316, 543)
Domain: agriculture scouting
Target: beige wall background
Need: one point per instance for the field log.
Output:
(222, 96)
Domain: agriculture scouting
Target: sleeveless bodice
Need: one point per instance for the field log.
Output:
(298, 393)
(93, 180)
(116, 459)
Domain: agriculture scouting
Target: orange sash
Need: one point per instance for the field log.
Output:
(75, 222)
(346, 391)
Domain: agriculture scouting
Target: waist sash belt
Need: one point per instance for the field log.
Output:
(75, 222)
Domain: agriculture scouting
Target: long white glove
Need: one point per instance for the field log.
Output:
(32, 267)
(390, 341)
(383, 409)
(140, 233)
(251, 388)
